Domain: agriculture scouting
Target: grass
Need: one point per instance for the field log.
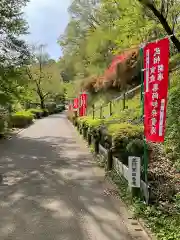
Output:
(116, 107)
(165, 225)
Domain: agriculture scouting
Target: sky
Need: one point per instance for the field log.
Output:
(47, 20)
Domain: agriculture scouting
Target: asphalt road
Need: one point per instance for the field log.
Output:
(52, 189)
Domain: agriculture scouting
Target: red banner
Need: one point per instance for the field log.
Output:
(83, 104)
(76, 103)
(156, 61)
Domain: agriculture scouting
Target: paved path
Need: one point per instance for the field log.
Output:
(51, 189)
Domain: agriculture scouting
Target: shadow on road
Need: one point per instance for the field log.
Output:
(50, 192)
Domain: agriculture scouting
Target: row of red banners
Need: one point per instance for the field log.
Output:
(156, 62)
(80, 104)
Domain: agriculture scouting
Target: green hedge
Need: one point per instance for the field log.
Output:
(38, 113)
(127, 115)
(92, 124)
(51, 107)
(127, 140)
(45, 112)
(59, 108)
(21, 119)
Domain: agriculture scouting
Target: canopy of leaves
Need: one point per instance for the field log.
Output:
(13, 51)
(100, 29)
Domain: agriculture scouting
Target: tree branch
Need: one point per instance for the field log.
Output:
(163, 22)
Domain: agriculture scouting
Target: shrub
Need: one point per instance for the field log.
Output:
(21, 119)
(38, 113)
(51, 107)
(173, 126)
(93, 124)
(125, 129)
(59, 108)
(2, 126)
(135, 147)
(45, 112)
(88, 84)
(4, 123)
(122, 134)
(127, 115)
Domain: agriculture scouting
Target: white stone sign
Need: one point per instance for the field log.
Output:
(134, 171)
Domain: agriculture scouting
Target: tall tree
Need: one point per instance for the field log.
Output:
(44, 76)
(13, 51)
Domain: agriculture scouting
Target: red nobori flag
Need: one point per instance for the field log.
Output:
(156, 61)
(75, 103)
(83, 104)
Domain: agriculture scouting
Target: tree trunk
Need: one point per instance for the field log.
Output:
(42, 102)
(41, 97)
(165, 25)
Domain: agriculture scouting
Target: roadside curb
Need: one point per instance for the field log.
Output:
(15, 134)
(139, 220)
(19, 131)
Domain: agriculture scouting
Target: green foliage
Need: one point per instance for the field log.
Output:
(122, 135)
(173, 120)
(13, 51)
(89, 122)
(125, 130)
(34, 110)
(45, 112)
(59, 108)
(38, 113)
(12, 25)
(135, 147)
(122, 186)
(44, 81)
(165, 224)
(21, 119)
(51, 106)
(167, 13)
(2, 125)
(99, 29)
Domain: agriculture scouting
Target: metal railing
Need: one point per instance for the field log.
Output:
(106, 110)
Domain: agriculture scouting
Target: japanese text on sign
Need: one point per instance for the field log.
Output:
(83, 104)
(134, 171)
(156, 57)
(76, 104)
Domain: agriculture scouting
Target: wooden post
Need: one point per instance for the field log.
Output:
(80, 129)
(84, 132)
(109, 160)
(96, 144)
(89, 138)
(93, 110)
(110, 108)
(75, 119)
(124, 100)
(101, 112)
